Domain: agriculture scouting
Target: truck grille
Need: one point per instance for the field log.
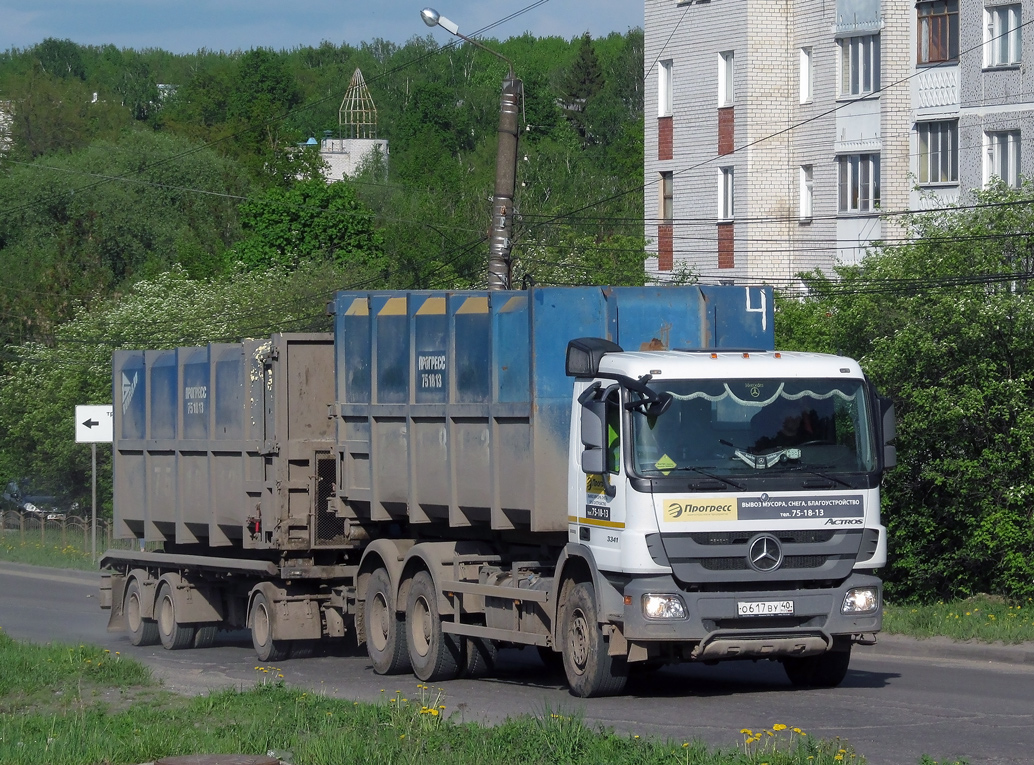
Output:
(704, 557)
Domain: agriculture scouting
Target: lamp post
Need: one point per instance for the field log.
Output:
(505, 161)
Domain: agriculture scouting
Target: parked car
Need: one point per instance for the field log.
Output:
(20, 496)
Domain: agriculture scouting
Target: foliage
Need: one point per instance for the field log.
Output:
(81, 225)
(311, 220)
(944, 324)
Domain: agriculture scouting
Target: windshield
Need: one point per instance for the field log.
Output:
(743, 427)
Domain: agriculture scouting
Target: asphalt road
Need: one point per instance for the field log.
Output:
(900, 700)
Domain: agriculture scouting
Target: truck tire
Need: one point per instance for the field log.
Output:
(385, 629)
(590, 670)
(266, 648)
(479, 657)
(174, 635)
(142, 631)
(826, 670)
(205, 635)
(435, 656)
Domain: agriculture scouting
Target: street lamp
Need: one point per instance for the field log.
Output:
(505, 161)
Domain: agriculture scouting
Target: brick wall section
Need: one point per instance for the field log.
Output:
(726, 130)
(664, 138)
(726, 246)
(665, 247)
(898, 46)
(771, 95)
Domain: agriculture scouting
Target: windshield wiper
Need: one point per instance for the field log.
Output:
(703, 472)
(826, 476)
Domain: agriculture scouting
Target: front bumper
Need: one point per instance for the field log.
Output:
(713, 630)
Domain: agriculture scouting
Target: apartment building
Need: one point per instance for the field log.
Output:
(787, 135)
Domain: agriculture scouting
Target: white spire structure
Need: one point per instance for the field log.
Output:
(357, 117)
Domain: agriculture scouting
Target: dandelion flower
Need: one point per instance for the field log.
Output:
(778, 726)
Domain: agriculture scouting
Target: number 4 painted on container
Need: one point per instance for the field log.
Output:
(763, 310)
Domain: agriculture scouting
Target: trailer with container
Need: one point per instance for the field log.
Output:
(620, 477)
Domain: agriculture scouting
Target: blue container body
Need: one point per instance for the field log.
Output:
(454, 407)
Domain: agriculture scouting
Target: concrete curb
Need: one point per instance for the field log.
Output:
(946, 648)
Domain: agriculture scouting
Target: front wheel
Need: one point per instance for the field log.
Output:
(826, 670)
(590, 670)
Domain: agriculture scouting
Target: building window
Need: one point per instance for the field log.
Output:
(1002, 157)
(859, 65)
(665, 89)
(1002, 35)
(666, 203)
(938, 152)
(807, 183)
(727, 192)
(859, 182)
(726, 70)
(805, 75)
(938, 29)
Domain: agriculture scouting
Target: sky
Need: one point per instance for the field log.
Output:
(186, 26)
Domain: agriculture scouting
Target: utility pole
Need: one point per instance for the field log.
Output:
(500, 242)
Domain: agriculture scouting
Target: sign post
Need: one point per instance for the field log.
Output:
(94, 424)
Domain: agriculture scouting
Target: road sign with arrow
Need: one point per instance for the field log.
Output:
(94, 424)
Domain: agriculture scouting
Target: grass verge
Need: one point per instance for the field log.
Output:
(91, 707)
(16, 548)
(983, 617)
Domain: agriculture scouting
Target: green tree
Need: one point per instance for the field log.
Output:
(581, 84)
(310, 221)
(945, 325)
(76, 227)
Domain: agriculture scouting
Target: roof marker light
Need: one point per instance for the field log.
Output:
(778, 355)
(746, 355)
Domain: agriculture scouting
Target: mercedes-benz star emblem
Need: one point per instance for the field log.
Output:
(764, 553)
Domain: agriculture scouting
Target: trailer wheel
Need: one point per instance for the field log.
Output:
(142, 631)
(590, 670)
(174, 635)
(826, 670)
(434, 655)
(262, 631)
(385, 630)
(205, 635)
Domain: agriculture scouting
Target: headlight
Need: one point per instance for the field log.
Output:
(663, 607)
(861, 600)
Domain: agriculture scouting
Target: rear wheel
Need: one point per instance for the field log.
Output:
(826, 670)
(479, 657)
(266, 648)
(174, 635)
(590, 670)
(434, 655)
(141, 631)
(385, 629)
(302, 649)
(205, 635)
